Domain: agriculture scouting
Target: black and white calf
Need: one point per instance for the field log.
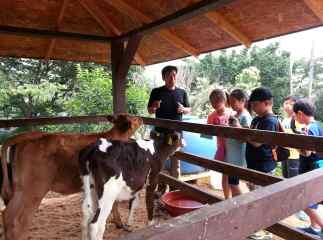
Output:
(115, 171)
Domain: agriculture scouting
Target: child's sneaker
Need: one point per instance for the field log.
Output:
(301, 215)
(315, 232)
(261, 235)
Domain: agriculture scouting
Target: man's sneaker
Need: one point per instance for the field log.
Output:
(261, 235)
(312, 231)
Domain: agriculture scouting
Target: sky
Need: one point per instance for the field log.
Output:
(299, 44)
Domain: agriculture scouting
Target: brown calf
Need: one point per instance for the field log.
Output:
(42, 162)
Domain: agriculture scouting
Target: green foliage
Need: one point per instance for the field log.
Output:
(30, 88)
(246, 69)
(249, 78)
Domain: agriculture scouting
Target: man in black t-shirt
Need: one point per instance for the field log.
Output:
(168, 101)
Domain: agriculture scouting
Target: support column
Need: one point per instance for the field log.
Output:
(121, 58)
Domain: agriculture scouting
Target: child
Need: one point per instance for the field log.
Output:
(236, 150)
(220, 116)
(309, 160)
(291, 165)
(259, 155)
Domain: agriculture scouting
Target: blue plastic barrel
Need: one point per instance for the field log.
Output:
(197, 144)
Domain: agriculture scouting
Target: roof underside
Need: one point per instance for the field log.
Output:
(237, 22)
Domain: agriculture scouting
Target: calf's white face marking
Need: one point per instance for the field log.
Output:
(104, 145)
(147, 145)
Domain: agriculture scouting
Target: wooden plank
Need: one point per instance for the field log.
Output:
(19, 122)
(118, 85)
(259, 209)
(137, 15)
(58, 25)
(223, 23)
(250, 175)
(105, 22)
(317, 7)
(274, 138)
(47, 34)
(129, 53)
(280, 229)
(121, 59)
(244, 134)
(182, 15)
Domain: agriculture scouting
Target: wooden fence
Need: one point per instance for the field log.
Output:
(238, 217)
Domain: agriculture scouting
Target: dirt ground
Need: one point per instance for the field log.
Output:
(59, 217)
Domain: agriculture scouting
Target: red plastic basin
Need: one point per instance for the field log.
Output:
(178, 203)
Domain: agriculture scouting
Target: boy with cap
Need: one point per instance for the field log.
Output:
(259, 155)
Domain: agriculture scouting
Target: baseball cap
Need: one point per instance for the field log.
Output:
(260, 94)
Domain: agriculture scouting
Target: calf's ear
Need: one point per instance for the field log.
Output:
(111, 118)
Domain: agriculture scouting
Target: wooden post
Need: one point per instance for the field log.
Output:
(121, 59)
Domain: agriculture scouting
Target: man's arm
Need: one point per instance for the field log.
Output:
(153, 105)
(186, 109)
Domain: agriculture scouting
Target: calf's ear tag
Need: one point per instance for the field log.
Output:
(170, 141)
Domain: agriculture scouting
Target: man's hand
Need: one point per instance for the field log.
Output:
(182, 109)
(154, 106)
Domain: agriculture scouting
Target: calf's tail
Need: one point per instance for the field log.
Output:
(7, 155)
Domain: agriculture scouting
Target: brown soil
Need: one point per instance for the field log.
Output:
(59, 217)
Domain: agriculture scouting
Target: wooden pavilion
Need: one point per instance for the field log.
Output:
(124, 32)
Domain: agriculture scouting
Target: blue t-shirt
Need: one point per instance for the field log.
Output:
(313, 129)
(235, 150)
(261, 158)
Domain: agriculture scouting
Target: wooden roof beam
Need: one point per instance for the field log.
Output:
(227, 27)
(168, 35)
(58, 24)
(105, 23)
(180, 16)
(316, 6)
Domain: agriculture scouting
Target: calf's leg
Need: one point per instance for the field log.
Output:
(88, 205)
(20, 209)
(110, 193)
(133, 205)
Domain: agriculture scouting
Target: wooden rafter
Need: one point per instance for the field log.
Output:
(226, 26)
(316, 6)
(168, 35)
(105, 23)
(58, 24)
(222, 22)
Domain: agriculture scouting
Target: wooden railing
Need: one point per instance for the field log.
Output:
(238, 217)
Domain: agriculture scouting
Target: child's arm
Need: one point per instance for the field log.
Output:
(255, 144)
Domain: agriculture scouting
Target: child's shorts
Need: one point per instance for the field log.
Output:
(234, 180)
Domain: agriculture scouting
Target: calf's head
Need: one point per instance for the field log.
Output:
(126, 124)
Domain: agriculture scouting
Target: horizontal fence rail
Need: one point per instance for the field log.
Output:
(239, 217)
(243, 134)
(250, 175)
(280, 229)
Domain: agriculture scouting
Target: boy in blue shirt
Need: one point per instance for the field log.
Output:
(259, 155)
(309, 160)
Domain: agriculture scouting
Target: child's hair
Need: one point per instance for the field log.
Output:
(304, 106)
(219, 95)
(241, 95)
(291, 98)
